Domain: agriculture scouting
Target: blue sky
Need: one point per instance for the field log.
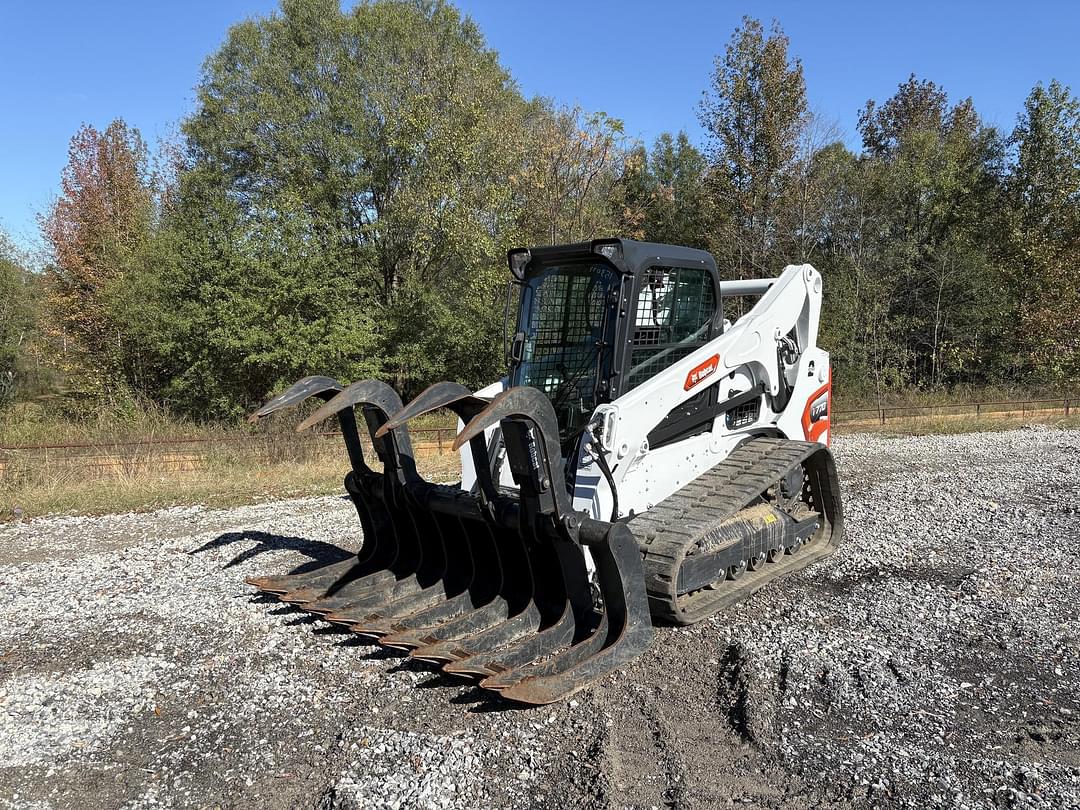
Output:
(66, 62)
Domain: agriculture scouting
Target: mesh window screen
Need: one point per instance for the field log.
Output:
(674, 309)
(564, 319)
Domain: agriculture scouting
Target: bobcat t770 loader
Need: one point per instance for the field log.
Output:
(646, 459)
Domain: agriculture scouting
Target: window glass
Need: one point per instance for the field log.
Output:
(675, 307)
(566, 318)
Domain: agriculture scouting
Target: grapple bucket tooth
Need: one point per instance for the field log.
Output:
(520, 650)
(466, 623)
(362, 588)
(320, 592)
(471, 578)
(448, 651)
(360, 606)
(561, 603)
(509, 604)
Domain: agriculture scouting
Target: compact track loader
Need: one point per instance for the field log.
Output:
(645, 459)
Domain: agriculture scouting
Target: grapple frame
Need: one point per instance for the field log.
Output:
(492, 584)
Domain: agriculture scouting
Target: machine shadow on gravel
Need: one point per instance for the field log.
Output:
(319, 552)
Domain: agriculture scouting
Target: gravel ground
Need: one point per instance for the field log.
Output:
(933, 661)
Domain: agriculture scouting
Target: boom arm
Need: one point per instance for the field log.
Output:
(746, 355)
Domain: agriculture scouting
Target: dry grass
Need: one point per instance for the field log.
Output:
(231, 465)
(216, 480)
(153, 461)
(926, 424)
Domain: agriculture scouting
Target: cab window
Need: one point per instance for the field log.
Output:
(673, 315)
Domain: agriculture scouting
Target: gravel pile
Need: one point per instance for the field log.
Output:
(933, 661)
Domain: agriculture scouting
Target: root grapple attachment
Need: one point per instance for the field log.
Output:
(493, 584)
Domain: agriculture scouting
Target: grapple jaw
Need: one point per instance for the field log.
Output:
(491, 584)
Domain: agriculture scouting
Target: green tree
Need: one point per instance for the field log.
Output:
(568, 182)
(665, 198)
(98, 231)
(1044, 232)
(345, 207)
(932, 177)
(754, 113)
(16, 318)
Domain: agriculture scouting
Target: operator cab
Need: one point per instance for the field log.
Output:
(596, 319)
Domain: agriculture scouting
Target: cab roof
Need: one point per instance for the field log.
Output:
(632, 256)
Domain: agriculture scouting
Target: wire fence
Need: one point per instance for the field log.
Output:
(189, 453)
(989, 409)
(171, 454)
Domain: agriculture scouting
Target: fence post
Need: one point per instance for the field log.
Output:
(978, 409)
(883, 416)
(1066, 406)
(438, 439)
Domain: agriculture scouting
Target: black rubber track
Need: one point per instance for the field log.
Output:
(674, 527)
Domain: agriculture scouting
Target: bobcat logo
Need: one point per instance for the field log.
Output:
(702, 372)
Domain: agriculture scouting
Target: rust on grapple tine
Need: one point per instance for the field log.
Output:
(385, 614)
(352, 605)
(421, 610)
(625, 631)
(481, 632)
(288, 582)
(456, 628)
(510, 673)
(523, 651)
(499, 635)
(365, 588)
(360, 608)
(328, 583)
(437, 616)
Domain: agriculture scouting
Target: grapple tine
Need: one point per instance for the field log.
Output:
(565, 657)
(492, 638)
(485, 630)
(298, 392)
(362, 606)
(472, 621)
(362, 588)
(522, 650)
(623, 634)
(509, 403)
(439, 395)
(287, 582)
(357, 393)
(379, 620)
(322, 592)
(430, 617)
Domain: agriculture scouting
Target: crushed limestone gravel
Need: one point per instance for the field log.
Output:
(934, 660)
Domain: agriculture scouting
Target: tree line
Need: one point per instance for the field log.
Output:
(342, 198)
